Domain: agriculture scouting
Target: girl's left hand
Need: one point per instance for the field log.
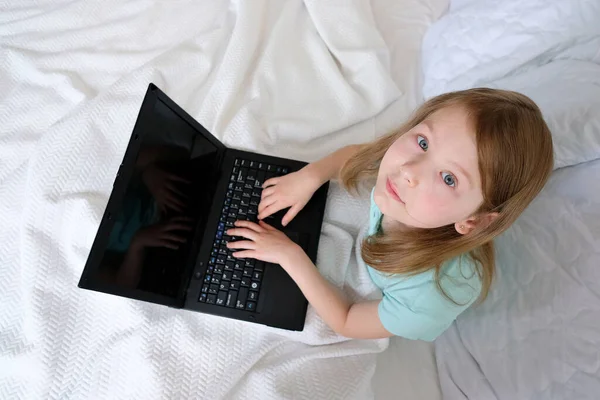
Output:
(265, 243)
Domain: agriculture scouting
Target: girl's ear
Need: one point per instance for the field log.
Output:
(480, 221)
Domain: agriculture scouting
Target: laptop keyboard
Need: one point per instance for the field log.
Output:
(229, 281)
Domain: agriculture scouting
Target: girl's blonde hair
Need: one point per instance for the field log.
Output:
(515, 155)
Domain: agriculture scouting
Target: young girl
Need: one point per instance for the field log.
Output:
(449, 181)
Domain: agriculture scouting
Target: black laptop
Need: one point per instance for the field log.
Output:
(163, 238)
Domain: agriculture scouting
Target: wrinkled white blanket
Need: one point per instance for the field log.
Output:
(292, 78)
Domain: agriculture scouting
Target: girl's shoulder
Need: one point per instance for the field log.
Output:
(460, 279)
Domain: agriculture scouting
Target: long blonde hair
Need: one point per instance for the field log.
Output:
(515, 155)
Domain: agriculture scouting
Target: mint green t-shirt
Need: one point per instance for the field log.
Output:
(412, 306)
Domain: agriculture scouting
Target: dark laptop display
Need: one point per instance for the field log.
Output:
(168, 194)
(163, 235)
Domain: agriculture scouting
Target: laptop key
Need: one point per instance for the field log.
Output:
(238, 187)
(257, 276)
(255, 285)
(234, 285)
(237, 162)
(204, 289)
(245, 282)
(242, 295)
(260, 179)
(247, 272)
(231, 298)
(250, 306)
(224, 285)
(262, 165)
(249, 262)
(218, 269)
(239, 304)
(202, 297)
(228, 266)
(244, 163)
(211, 299)
(238, 265)
(259, 266)
(221, 297)
(240, 177)
(236, 275)
(226, 276)
(251, 177)
(271, 167)
(252, 164)
(252, 295)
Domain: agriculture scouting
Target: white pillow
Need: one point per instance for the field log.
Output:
(568, 93)
(480, 41)
(545, 49)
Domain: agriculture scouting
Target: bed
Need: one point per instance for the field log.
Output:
(73, 75)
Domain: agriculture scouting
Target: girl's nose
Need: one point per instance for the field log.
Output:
(409, 174)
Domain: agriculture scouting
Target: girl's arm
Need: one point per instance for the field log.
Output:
(359, 320)
(268, 244)
(329, 167)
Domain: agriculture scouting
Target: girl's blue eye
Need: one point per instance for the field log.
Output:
(422, 142)
(448, 179)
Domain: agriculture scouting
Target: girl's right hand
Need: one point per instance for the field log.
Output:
(293, 190)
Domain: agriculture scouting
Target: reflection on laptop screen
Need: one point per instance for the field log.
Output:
(170, 190)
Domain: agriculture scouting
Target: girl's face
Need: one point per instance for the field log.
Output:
(429, 177)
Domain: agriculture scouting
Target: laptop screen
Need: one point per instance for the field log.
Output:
(166, 197)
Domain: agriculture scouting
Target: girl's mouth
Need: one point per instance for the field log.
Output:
(392, 191)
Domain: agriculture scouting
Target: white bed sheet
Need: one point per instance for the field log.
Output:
(72, 76)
